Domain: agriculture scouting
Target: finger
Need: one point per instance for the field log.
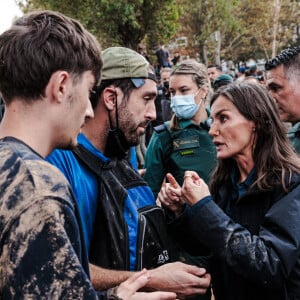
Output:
(191, 177)
(192, 174)
(162, 197)
(137, 280)
(156, 296)
(129, 287)
(195, 270)
(172, 181)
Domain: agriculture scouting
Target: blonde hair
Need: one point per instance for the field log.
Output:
(198, 72)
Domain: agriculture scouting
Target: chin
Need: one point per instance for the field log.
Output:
(68, 146)
(73, 144)
(222, 156)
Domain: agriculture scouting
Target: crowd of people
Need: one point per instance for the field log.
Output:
(215, 209)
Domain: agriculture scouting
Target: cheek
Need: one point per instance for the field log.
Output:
(236, 137)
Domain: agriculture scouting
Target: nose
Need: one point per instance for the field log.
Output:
(151, 111)
(89, 112)
(213, 131)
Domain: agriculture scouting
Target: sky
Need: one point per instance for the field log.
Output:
(8, 11)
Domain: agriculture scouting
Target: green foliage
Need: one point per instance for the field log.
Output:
(245, 28)
(122, 22)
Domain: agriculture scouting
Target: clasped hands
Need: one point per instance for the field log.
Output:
(173, 197)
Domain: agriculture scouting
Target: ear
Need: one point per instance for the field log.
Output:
(110, 98)
(58, 85)
(203, 92)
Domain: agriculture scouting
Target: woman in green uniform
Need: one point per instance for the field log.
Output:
(183, 143)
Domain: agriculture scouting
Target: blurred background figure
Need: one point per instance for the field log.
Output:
(163, 58)
(176, 59)
(221, 80)
(213, 72)
(162, 103)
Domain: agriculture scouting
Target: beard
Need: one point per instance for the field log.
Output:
(128, 127)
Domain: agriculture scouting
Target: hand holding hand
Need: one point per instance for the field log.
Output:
(194, 188)
(170, 195)
(183, 279)
(128, 289)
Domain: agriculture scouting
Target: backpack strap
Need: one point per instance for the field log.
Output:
(90, 160)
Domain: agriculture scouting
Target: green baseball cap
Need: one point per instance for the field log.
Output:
(121, 62)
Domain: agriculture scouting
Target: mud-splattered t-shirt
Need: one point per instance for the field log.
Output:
(41, 253)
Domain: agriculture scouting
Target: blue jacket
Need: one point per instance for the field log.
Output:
(114, 207)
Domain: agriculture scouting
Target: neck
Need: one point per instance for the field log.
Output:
(200, 116)
(245, 165)
(28, 126)
(96, 132)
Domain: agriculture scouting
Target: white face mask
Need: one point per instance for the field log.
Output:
(184, 106)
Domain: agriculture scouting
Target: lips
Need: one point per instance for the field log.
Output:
(218, 145)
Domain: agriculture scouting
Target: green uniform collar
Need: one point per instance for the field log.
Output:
(184, 123)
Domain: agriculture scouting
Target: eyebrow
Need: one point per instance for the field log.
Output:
(221, 111)
(181, 87)
(273, 84)
(152, 94)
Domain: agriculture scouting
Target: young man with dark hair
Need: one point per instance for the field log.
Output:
(49, 64)
(283, 82)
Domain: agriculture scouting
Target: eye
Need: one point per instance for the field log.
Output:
(149, 98)
(273, 87)
(185, 91)
(92, 94)
(223, 118)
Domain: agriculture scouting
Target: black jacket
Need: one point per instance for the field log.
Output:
(256, 249)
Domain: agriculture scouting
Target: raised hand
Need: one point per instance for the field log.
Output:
(194, 188)
(170, 195)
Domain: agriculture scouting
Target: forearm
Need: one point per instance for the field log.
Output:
(267, 257)
(103, 279)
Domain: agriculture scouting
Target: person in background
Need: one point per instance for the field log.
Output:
(283, 82)
(120, 218)
(162, 105)
(141, 49)
(176, 59)
(249, 215)
(49, 65)
(221, 80)
(183, 143)
(163, 58)
(251, 79)
(240, 74)
(213, 72)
